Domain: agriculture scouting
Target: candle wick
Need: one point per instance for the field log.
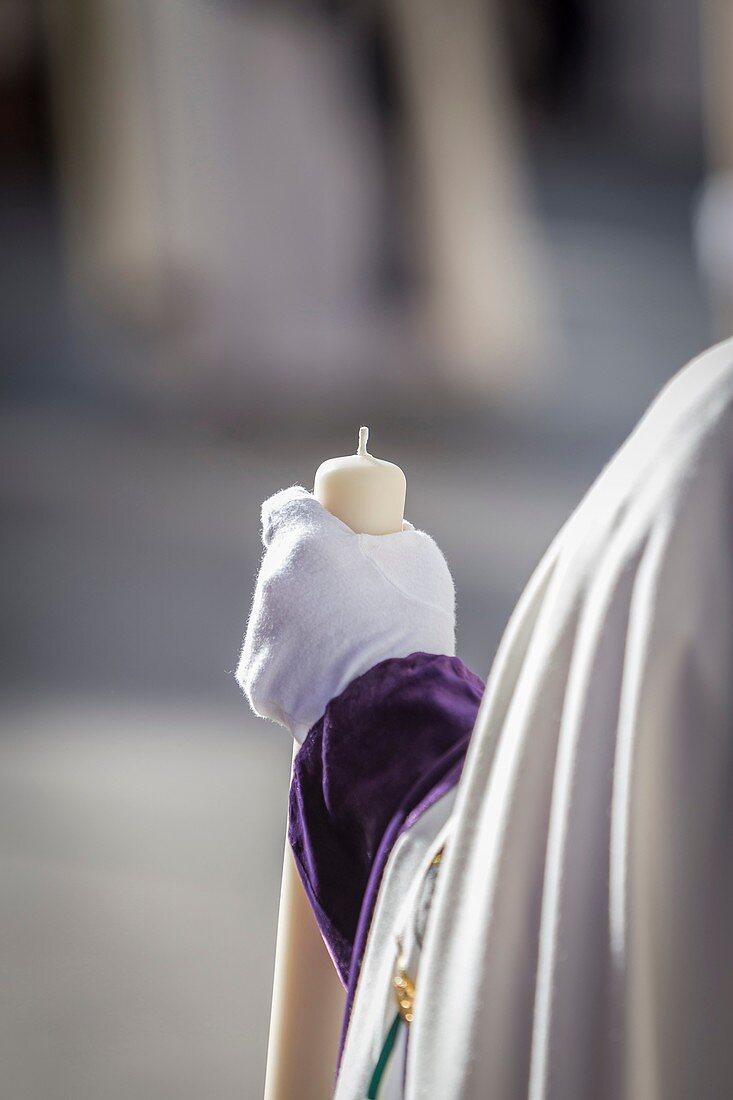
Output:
(363, 439)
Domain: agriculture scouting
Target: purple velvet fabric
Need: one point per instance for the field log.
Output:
(387, 748)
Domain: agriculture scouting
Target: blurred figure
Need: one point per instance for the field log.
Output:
(223, 188)
(226, 184)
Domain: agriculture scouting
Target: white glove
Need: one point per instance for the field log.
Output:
(330, 604)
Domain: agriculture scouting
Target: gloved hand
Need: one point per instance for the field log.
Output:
(330, 604)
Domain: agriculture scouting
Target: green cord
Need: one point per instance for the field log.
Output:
(383, 1058)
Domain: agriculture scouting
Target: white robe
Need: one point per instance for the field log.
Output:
(580, 943)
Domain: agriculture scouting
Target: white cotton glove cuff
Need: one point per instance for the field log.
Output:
(330, 604)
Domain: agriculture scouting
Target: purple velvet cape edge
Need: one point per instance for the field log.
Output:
(385, 750)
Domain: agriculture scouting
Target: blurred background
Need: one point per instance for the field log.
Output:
(231, 233)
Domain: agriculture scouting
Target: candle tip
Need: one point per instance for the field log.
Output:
(363, 439)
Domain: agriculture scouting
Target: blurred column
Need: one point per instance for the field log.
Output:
(104, 108)
(480, 254)
(714, 220)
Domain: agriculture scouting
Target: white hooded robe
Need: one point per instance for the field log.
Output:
(580, 942)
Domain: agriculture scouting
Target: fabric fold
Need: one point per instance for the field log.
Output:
(386, 748)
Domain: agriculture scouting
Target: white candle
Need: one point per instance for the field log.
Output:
(308, 1000)
(368, 494)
